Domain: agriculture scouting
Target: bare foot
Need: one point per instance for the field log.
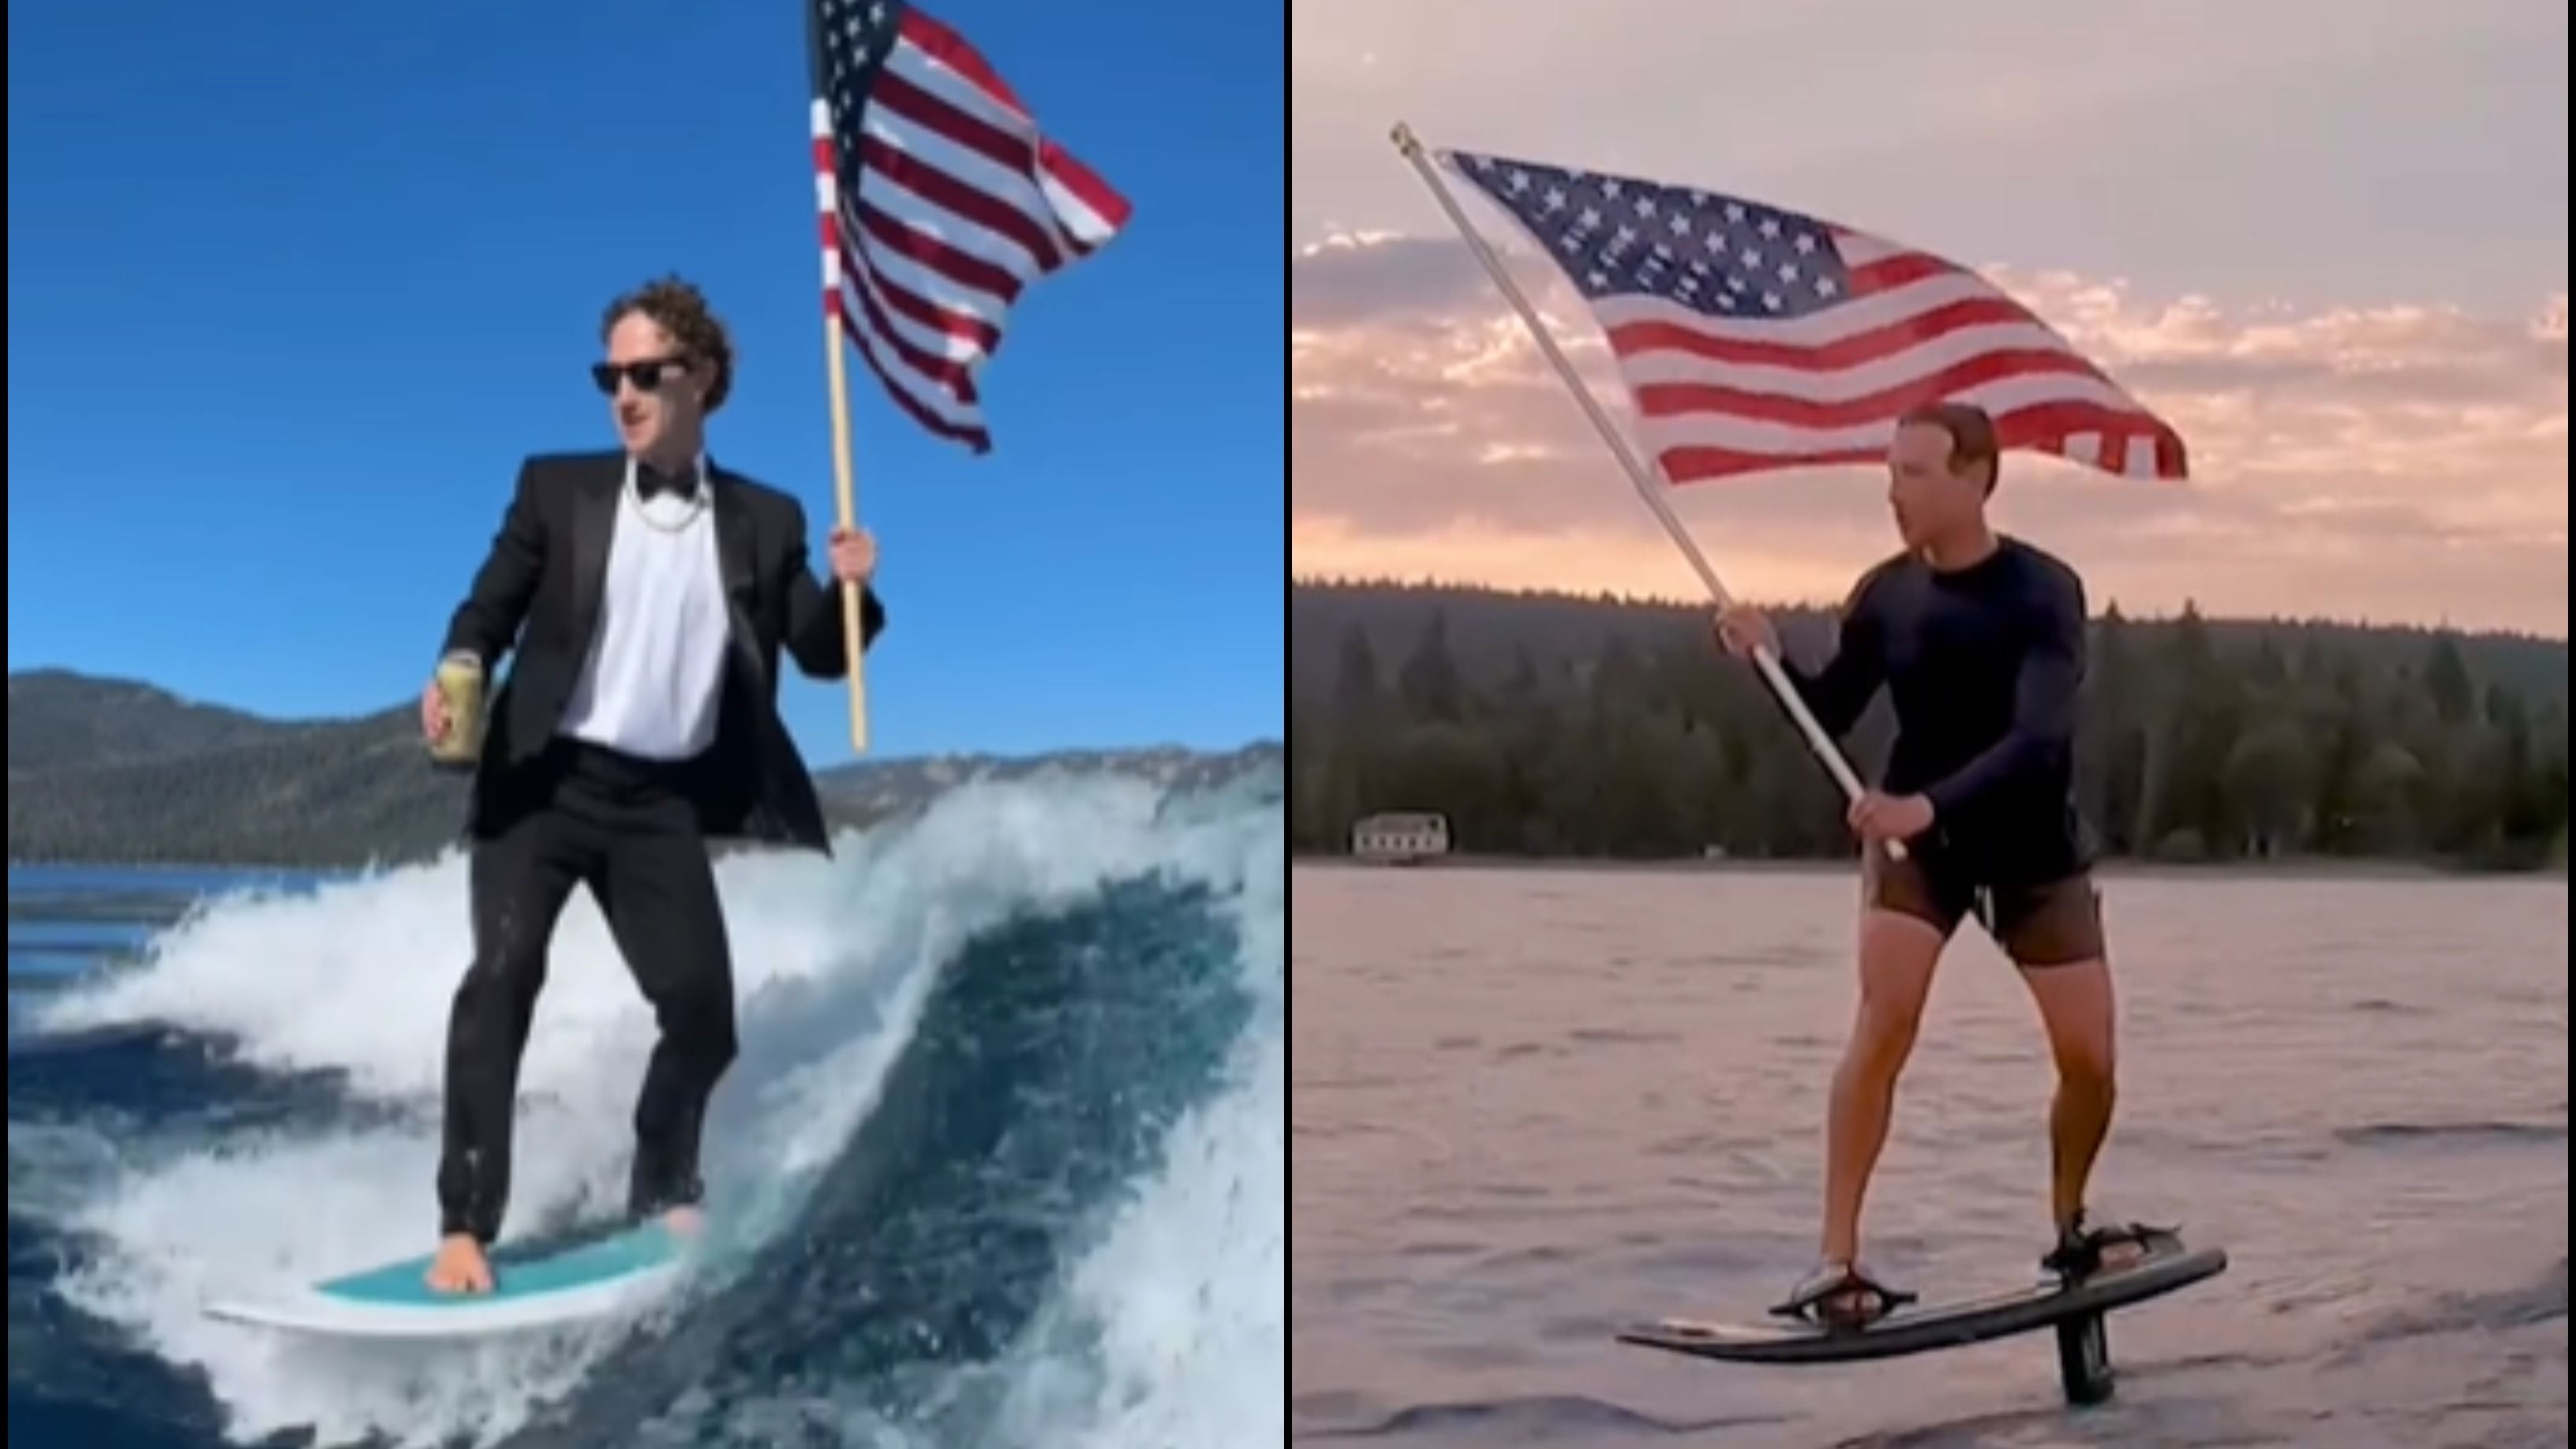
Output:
(684, 1222)
(460, 1266)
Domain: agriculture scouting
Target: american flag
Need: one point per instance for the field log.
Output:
(1754, 338)
(941, 201)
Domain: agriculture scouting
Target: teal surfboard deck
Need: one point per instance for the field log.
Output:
(536, 1284)
(519, 1270)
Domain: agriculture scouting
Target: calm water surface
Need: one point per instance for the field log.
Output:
(1530, 1105)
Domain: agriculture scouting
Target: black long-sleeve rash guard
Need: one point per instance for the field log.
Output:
(1984, 665)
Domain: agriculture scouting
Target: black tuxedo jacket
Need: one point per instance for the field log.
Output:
(539, 593)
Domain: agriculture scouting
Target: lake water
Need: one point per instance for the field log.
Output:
(1530, 1105)
(1001, 1163)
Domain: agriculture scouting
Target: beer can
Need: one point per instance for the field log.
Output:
(460, 685)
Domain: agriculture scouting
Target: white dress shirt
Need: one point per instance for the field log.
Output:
(654, 677)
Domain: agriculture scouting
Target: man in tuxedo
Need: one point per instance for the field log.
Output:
(648, 594)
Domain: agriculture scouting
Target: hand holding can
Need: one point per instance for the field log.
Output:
(451, 711)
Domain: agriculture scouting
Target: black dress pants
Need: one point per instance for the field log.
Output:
(626, 829)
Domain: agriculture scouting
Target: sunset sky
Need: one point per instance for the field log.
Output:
(2327, 239)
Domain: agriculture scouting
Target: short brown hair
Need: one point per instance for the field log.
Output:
(680, 309)
(1972, 435)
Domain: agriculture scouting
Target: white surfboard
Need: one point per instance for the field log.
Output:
(535, 1286)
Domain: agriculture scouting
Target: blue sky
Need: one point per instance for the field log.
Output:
(292, 288)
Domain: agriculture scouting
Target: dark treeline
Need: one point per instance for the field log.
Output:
(1546, 725)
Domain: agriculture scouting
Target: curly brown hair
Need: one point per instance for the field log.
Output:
(680, 309)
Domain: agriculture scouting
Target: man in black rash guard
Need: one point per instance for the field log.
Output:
(1979, 640)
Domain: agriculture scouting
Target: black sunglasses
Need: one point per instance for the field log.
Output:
(646, 375)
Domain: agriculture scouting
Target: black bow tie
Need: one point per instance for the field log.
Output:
(650, 481)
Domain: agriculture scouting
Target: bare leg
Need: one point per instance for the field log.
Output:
(1898, 955)
(2076, 1006)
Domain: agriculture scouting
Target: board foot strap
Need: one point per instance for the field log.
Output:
(2080, 1248)
(1832, 1280)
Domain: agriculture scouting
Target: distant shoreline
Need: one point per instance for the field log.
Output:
(2315, 868)
(182, 867)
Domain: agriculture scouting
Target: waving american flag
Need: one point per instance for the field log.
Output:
(1752, 338)
(941, 201)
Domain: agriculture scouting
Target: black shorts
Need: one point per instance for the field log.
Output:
(2051, 923)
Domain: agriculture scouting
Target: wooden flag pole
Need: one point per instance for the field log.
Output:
(827, 200)
(845, 491)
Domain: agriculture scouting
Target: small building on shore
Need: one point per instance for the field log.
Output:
(1401, 837)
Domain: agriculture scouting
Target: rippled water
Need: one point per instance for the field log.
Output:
(1530, 1105)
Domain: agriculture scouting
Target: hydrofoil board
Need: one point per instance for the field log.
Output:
(2074, 1309)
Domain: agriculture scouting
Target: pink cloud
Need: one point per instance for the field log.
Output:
(2404, 461)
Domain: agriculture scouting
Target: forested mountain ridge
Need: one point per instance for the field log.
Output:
(112, 772)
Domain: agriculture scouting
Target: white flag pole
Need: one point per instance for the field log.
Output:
(1766, 662)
